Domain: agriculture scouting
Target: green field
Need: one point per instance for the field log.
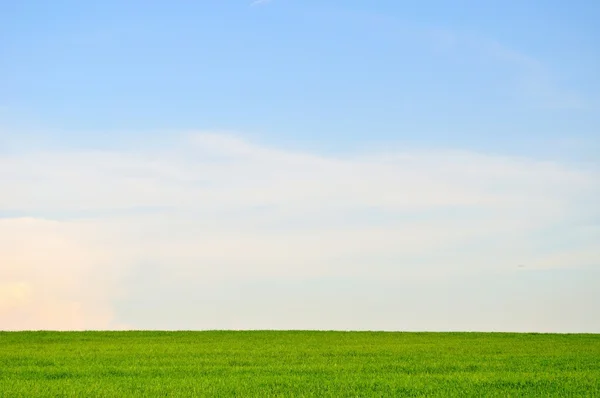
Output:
(270, 363)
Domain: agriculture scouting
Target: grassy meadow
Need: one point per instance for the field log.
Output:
(296, 363)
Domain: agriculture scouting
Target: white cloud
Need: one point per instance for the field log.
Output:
(217, 211)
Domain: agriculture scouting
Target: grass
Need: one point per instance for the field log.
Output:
(273, 363)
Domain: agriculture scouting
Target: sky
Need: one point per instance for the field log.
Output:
(300, 164)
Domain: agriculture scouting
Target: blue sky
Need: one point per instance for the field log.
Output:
(324, 74)
(426, 144)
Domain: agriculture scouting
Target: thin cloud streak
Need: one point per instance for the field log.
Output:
(260, 2)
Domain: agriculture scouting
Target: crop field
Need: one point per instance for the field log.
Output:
(295, 363)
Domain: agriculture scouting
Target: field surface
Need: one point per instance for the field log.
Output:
(271, 363)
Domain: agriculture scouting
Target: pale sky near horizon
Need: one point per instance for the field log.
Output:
(300, 164)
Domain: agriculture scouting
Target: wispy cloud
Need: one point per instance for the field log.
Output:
(533, 81)
(224, 215)
(260, 2)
